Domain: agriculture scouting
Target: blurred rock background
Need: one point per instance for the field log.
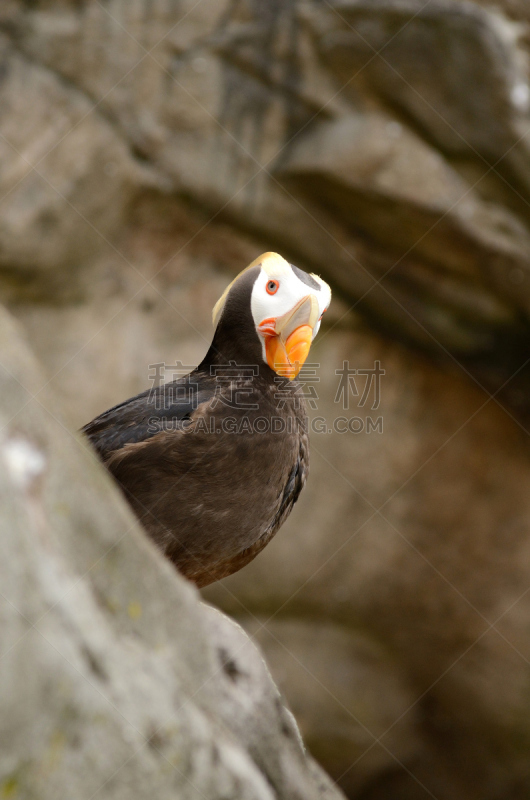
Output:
(150, 149)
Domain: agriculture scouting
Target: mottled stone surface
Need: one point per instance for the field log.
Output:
(149, 151)
(116, 681)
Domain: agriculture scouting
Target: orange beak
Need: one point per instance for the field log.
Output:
(288, 338)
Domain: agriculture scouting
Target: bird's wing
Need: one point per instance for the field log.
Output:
(295, 483)
(168, 407)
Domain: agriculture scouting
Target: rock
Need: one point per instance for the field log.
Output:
(428, 58)
(116, 681)
(148, 151)
(345, 692)
(250, 694)
(409, 549)
(376, 175)
(66, 175)
(219, 106)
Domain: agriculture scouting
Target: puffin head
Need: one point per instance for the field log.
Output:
(280, 306)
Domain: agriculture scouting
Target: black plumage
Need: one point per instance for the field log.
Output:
(209, 478)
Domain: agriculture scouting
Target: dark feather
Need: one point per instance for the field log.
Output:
(211, 498)
(136, 420)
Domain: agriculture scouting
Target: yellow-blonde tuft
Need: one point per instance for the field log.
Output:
(273, 264)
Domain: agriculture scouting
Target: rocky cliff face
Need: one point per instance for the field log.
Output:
(149, 150)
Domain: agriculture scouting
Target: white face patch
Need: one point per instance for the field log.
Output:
(278, 289)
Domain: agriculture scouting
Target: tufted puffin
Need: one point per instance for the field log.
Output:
(212, 463)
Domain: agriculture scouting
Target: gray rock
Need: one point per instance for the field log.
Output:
(248, 695)
(116, 681)
(66, 174)
(380, 178)
(220, 107)
(396, 597)
(346, 691)
(455, 67)
(173, 141)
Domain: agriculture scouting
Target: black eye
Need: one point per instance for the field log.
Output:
(272, 287)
